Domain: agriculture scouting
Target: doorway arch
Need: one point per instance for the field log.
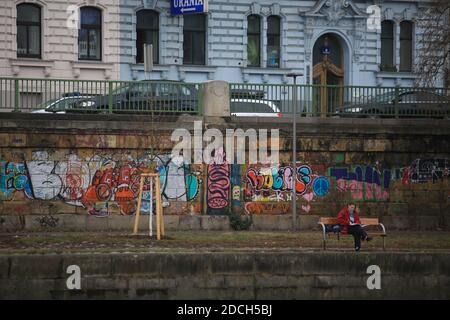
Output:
(330, 72)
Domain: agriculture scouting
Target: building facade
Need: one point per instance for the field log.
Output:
(347, 42)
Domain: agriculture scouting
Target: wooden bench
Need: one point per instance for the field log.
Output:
(323, 221)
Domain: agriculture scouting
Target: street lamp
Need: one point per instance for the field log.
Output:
(294, 151)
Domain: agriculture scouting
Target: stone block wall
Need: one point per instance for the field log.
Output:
(245, 275)
(54, 172)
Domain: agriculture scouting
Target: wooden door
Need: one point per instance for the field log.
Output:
(326, 99)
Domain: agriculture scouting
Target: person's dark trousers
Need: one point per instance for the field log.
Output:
(358, 234)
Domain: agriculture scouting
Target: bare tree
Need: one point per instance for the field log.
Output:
(433, 60)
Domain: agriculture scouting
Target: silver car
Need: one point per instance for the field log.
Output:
(59, 105)
(254, 108)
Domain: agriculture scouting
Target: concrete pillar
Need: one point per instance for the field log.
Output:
(216, 99)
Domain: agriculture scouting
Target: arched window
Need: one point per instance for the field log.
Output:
(406, 35)
(90, 34)
(194, 35)
(28, 31)
(253, 41)
(147, 32)
(273, 41)
(387, 45)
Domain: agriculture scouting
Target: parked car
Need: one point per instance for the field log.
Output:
(412, 103)
(60, 105)
(144, 97)
(254, 108)
(247, 94)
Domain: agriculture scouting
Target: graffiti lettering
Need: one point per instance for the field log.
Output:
(13, 177)
(48, 221)
(218, 184)
(364, 184)
(279, 179)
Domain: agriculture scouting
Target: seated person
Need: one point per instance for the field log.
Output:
(350, 224)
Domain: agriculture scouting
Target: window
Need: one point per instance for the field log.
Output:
(273, 42)
(387, 45)
(194, 39)
(28, 31)
(406, 30)
(251, 106)
(90, 34)
(147, 32)
(254, 41)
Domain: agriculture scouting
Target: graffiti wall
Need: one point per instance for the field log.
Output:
(104, 184)
(100, 183)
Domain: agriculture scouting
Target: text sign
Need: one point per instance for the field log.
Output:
(178, 7)
(326, 50)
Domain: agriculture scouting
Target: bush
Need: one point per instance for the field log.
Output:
(240, 222)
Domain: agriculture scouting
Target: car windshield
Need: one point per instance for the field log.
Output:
(422, 96)
(250, 107)
(155, 89)
(385, 97)
(47, 104)
(61, 104)
(121, 90)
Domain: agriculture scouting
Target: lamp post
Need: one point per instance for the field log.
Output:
(294, 150)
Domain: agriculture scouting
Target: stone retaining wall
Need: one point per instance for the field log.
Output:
(76, 167)
(246, 275)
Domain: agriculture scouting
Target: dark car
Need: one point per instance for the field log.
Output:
(60, 105)
(144, 97)
(413, 103)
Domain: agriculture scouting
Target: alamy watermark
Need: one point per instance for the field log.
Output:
(374, 281)
(74, 280)
(374, 19)
(230, 149)
(73, 19)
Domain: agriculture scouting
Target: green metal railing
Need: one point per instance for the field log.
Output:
(170, 97)
(341, 101)
(92, 96)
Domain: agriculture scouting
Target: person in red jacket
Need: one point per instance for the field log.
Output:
(350, 224)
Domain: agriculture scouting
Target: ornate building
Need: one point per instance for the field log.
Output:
(349, 42)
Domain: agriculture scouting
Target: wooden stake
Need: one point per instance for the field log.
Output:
(138, 212)
(158, 210)
(163, 232)
(161, 211)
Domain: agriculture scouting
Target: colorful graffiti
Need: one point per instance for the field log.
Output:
(364, 183)
(308, 197)
(274, 185)
(218, 184)
(13, 178)
(236, 184)
(279, 179)
(59, 179)
(98, 183)
(321, 186)
(267, 207)
(108, 183)
(178, 180)
(112, 182)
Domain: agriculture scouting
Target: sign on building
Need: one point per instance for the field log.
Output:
(178, 7)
